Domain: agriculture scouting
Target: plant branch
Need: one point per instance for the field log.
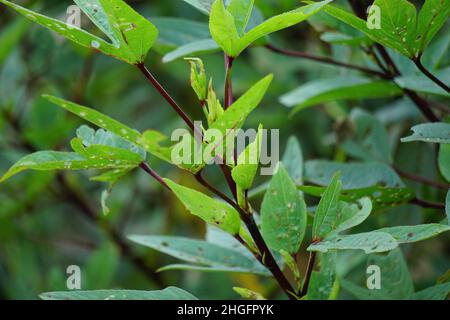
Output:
(422, 104)
(327, 60)
(228, 94)
(266, 257)
(430, 76)
(150, 77)
(427, 204)
(309, 270)
(422, 180)
(144, 166)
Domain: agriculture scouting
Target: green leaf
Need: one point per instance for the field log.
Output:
(327, 210)
(353, 215)
(248, 294)
(131, 37)
(437, 292)
(421, 83)
(201, 5)
(293, 160)
(337, 88)
(170, 293)
(344, 39)
(283, 214)
(101, 137)
(226, 31)
(370, 141)
(431, 19)
(207, 256)
(194, 48)
(241, 11)
(430, 132)
(236, 114)
(355, 175)
(156, 143)
(247, 163)
(290, 262)
(100, 269)
(223, 29)
(210, 210)
(381, 197)
(218, 237)
(135, 33)
(10, 36)
(324, 284)
(198, 77)
(444, 161)
(97, 118)
(396, 282)
(177, 32)
(400, 29)
(367, 241)
(98, 157)
(409, 234)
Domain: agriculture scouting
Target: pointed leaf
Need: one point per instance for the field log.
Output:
(337, 88)
(236, 114)
(326, 215)
(437, 292)
(356, 217)
(248, 294)
(283, 214)
(205, 255)
(430, 132)
(409, 234)
(247, 163)
(210, 210)
(368, 241)
(170, 293)
(240, 10)
(396, 282)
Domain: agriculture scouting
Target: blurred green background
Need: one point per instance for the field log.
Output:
(49, 221)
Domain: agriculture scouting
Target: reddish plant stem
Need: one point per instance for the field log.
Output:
(146, 72)
(430, 76)
(228, 94)
(428, 204)
(144, 166)
(327, 60)
(309, 270)
(266, 257)
(422, 180)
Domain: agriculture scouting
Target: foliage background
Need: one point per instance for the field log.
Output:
(49, 221)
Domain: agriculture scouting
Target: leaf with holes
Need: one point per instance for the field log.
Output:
(400, 27)
(283, 214)
(131, 35)
(409, 234)
(368, 242)
(381, 197)
(210, 210)
(227, 24)
(430, 132)
(204, 255)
